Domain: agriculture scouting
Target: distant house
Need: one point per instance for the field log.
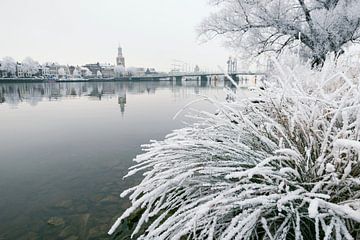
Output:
(150, 71)
(19, 70)
(44, 71)
(93, 67)
(3, 72)
(107, 70)
(85, 72)
(53, 69)
(136, 71)
(58, 71)
(71, 70)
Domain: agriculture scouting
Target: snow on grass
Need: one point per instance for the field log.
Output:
(285, 166)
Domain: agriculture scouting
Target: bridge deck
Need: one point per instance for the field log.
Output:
(200, 74)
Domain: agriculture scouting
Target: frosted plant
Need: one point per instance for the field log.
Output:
(77, 73)
(8, 65)
(88, 73)
(30, 66)
(283, 165)
(61, 71)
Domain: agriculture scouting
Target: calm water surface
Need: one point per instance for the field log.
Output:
(64, 148)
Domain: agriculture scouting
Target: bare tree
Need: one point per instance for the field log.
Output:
(261, 26)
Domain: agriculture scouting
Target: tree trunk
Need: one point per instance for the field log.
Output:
(318, 61)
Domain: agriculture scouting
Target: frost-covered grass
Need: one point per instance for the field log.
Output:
(284, 165)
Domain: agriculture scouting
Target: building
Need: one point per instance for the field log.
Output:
(108, 72)
(58, 71)
(19, 70)
(93, 67)
(53, 69)
(3, 72)
(44, 71)
(150, 71)
(120, 60)
(85, 72)
(136, 71)
(71, 70)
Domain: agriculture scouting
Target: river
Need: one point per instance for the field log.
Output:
(64, 148)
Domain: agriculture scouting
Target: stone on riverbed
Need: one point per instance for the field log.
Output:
(110, 199)
(56, 221)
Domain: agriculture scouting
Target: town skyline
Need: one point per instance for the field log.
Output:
(152, 35)
(11, 68)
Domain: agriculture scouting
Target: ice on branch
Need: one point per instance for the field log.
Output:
(283, 165)
(263, 26)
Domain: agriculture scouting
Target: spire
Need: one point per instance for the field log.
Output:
(120, 60)
(120, 51)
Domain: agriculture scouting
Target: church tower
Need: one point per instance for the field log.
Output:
(120, 60)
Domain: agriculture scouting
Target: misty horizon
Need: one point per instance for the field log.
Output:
(152, 34)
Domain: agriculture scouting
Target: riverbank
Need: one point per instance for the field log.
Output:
(38, 80)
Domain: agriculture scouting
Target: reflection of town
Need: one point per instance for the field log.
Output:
(33, 93)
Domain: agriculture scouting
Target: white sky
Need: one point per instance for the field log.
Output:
(151, 32)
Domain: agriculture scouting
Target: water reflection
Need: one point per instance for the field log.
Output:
(33, 93)
(66, 146)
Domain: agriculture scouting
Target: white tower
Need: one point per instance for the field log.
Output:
(120, 60)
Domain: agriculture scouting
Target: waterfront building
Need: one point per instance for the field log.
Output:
(108, 72)
(136, 71)
(71, 70)
(53, 69)
(3, 72)
(85, 72)
(58, 71)
(64, 71)
(19, 70)
(93, 67)
(150, 71)
(44, 71)
(120, 60)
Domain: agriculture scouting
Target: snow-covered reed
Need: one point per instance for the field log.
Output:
(282, 165)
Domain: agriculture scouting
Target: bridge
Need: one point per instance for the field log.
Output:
(178, 76)
(172, 76)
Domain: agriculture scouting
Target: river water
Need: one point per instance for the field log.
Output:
(64, 148)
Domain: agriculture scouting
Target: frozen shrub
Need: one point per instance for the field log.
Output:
(281, 165)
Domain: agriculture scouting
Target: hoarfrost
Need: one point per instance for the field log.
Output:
(285, 167)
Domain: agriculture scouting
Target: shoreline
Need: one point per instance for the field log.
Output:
(36, 80)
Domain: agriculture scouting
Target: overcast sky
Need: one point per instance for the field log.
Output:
(151, 32)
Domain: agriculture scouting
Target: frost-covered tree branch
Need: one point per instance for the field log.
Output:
(324, 25)
(282, 165)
